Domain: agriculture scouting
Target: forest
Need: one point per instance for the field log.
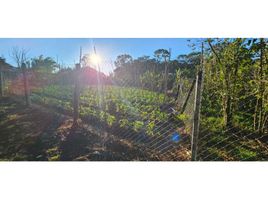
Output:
(144, 109)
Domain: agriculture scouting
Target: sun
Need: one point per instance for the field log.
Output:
(95, 59)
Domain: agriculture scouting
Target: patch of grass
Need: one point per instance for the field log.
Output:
(20, 157)
(252, 144)
(2, 122)
(245, 154)
(3, 159)
(54, 158)
(11, 126)
(218, 138)
(12, 117)
(213, 124)
(53, 154)
(218, 154)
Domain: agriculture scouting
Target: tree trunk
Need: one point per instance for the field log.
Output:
(228, 100)
(166, 74)
(228, 112)
(255, 124)
(261, 87)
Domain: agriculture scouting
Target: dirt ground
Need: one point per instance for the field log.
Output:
(37, 134)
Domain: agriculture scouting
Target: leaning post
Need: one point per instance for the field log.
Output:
(26, 85)
(197, 107)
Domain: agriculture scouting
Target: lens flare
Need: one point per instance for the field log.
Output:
(95, 59)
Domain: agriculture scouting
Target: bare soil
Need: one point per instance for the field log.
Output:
(39, 134)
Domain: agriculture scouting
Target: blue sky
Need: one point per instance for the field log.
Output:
(66, 50)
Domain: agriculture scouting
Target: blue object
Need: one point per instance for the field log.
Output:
(176, 137)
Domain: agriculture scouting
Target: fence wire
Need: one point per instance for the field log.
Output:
(147, 118)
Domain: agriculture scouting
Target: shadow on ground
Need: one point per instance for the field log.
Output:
(26, 133)
(37, 134)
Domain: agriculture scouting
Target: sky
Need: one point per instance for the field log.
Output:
(66, 50)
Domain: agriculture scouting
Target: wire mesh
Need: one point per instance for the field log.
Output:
(146, 117)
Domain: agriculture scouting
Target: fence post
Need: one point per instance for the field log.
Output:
(76, 94)
(26, 85)
(197, 106)
(1, 82)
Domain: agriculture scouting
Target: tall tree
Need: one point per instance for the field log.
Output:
(19, 55)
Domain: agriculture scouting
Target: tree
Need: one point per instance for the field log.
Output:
(260, 63)
(162, 55)
(190, 59)
(123, 60)
(225, 68)
(19, 55)
(46, 63)
(234, 82)
(44, 68)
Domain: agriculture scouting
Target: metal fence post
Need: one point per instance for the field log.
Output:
(76, 94)
(26, 85)
(198, 95)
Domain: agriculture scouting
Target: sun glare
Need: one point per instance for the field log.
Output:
(95, 59)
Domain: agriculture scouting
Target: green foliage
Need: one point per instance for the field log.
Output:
(235, 95)
(120, 106)
(245, 154)
(44, 69)
(53, 154)
(151, 80)
(234, 101)
(123, 123)
(232, 86)
(137, 125)
(149, 72)
(214, 124)
(110, 119)
(182, 117)
(150, 128)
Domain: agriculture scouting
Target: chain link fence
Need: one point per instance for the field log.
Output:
(149, 120)
(157, 123)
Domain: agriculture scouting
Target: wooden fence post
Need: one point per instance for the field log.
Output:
(198, 96)
(76, 95)
(1, 82)
(26, 85)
